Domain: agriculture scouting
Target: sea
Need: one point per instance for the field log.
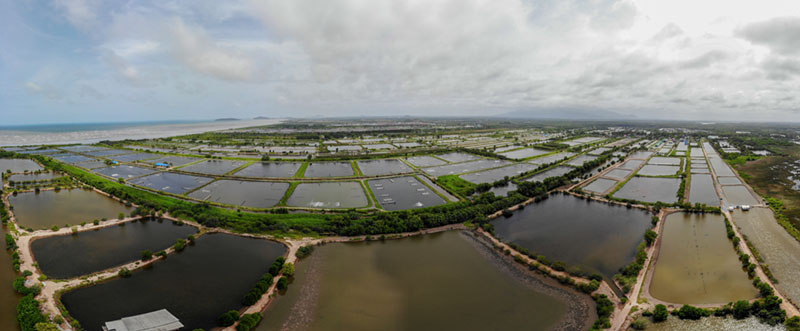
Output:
(88, 133)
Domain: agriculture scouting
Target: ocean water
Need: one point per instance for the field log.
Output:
(87, 133)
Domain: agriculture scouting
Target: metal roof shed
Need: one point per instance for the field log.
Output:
(159, 320)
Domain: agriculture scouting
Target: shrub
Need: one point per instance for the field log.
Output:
(741, 309)
(248, 322)
(639, 324)
(692, 313)
(650, 237)
(180, 245)
(124, 273)
(228, 318)
(283, 283)
(28, 313)
(304, 251)
(277, 265)
(146, 255)
(660, 313)
(288, 270)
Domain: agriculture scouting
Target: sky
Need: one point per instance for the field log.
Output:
(108, 61)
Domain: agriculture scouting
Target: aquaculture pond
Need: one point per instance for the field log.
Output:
(619, 173)
(403, 193)
(551, 158)
(702, 190)
(92, 164)
(524, 153)
(329, 195)
(665, 160)
(43, 176)
(124, 171)
(739, 195)
(270, 169)
(720, 167)
(8, 296)
(729, 180)
(174, 161)
(641, 155)
(580, 160)
(329, 169)
(18, 165)
(107, 152)
(658, 170)
(631, 164)
(425, 161)
(600, 185)
(70, 256)
(460, 168)
(503, 191)
(650, 189)
(214, 167)
(457, 157)
(696, 263)
(777, 247)
(71, 158)
(196, 285)
(493, 175)
(171, 182)
(242, 193)
(382, 286)
(383, 167)
(596, 236)
(135, 157)
(48, 208)
(712, 323)
(552, 172)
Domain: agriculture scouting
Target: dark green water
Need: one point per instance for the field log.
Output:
(444, 281)
(47, 208)
(91, 251)
(8, 297)
(196, 286)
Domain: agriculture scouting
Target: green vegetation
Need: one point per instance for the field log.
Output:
(604, 309)
(283, 283)
(147, 255)
(304, 251)
(228, 318)
(455, 184)
(124, 273)
(660, 313)
(29, 314)
(248, 322)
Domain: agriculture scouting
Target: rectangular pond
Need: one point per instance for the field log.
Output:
(696, 263)
(619, 173)
(214, 167)
(702, 190)
(72, 158)
(270, 170)
(460, 168)
(18, 165)
(403, 193)
(650, 189)
(424, 161)
(329, 195)
(777, 247)
(196, 285)
(696, 152)
(92, 164)
(557, 157)
(600, 185)
(383, 167)
(675, 161)
(135, 157)
(242, 193)
(457, 157)
(124, 171)
(69, 256)
(31, 177)
(48, 208)
(173, 161)
(552, 172)
(580, 160)
(524, 153)
(596, 236)
(493, 175)
(171, 182)
(658, 170)
(631, 164)
(739, 195)
(382, 286)
(720, 167)
(329, 169)
(641, 155)
(729, 181)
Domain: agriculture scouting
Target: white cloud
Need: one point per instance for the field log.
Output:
(80, 13)
(193, 48)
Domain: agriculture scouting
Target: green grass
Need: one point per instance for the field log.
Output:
(301, 172)
(356, 169)
(741, 159)
(453, 183)
(288, 193)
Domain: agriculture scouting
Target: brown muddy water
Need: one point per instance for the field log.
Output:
(697, 264)
(429, 282)
(48, 208)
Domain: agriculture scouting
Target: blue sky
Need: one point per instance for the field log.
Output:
(101, 61)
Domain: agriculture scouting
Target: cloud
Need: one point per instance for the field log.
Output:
(43, 90)
(193, 48)
(80, 13)
(122, 69)
(780, 34)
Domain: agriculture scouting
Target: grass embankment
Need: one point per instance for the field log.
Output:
(455, 184)
(302, 171)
